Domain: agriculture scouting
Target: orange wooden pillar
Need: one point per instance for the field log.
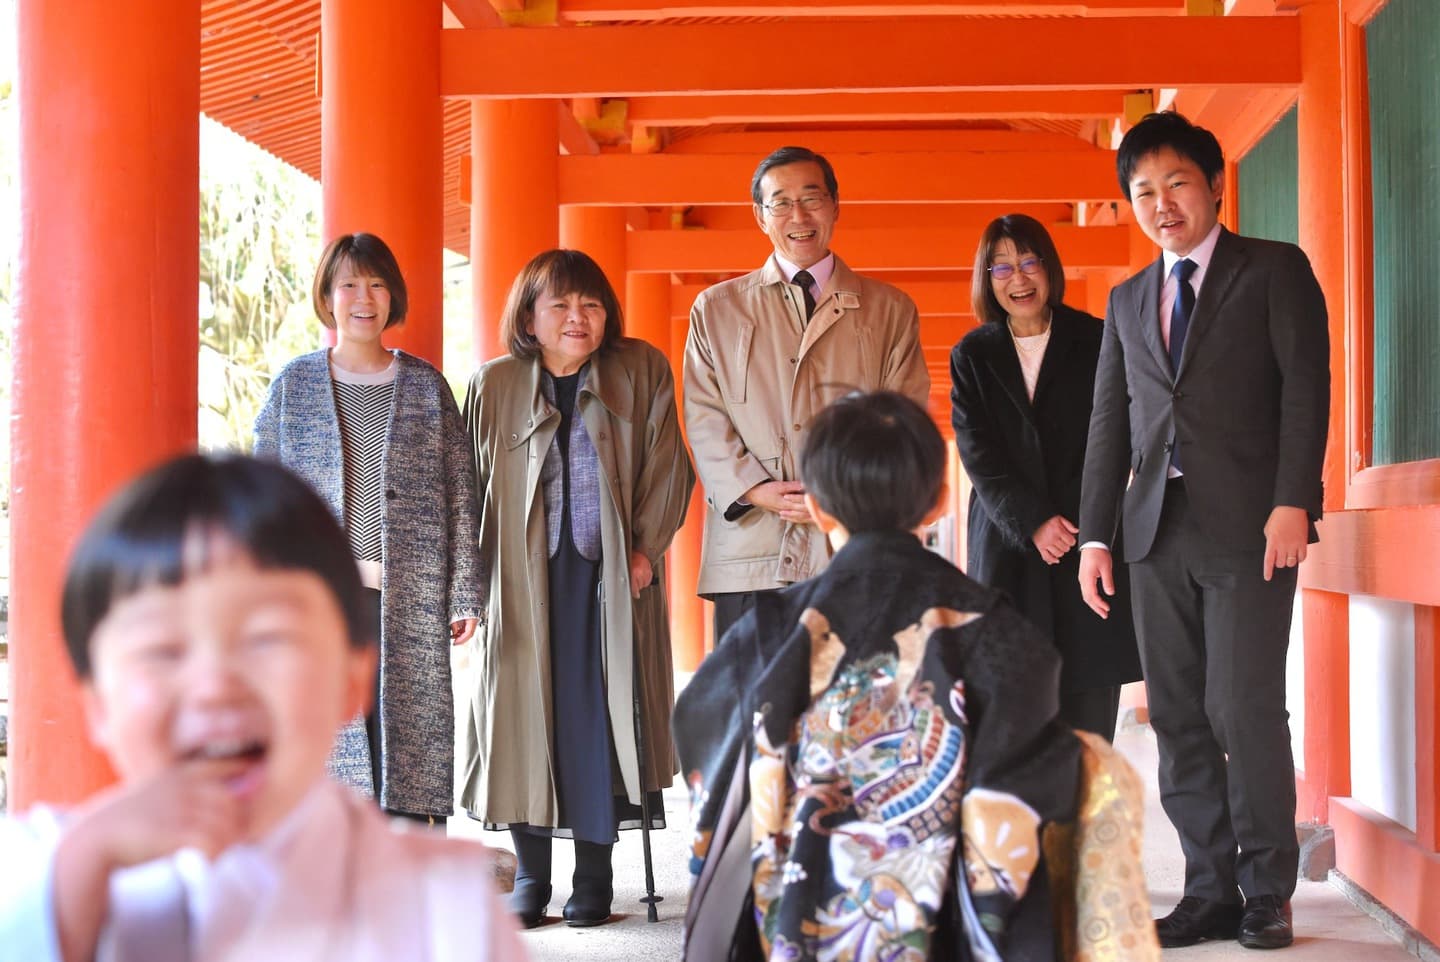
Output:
(691, 624)
(382, 146)
(1322, 234)
(600, 232)
(648, 318)
(514, 206)
(106, 336)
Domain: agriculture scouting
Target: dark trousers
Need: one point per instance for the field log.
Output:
(1091, 709)
(372, 724)
(730, 606)
(1213, 639)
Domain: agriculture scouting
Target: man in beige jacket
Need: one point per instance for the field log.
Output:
(765, 353)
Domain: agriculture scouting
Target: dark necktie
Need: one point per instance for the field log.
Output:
(1183, 307)
(804, 279)
(1180, 313)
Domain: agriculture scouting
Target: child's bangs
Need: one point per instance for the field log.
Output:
(191, 514)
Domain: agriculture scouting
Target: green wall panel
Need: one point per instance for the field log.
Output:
(1403, 44)
(1270, 184)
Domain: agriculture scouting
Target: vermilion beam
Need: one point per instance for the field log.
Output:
(600, 10)
(699, 110)
(918, 54)
(862, 249)
(659, 180)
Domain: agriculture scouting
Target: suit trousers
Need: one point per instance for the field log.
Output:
(730, 607)
(1213, 640)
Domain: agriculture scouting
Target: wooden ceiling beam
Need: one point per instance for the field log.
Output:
(597, 11)
(874, 248)
(918, 55)
(663, 180)
(887, 108)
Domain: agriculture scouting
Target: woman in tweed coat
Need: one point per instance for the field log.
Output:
(379, 435)
(583, 480)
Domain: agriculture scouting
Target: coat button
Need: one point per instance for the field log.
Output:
(1168, 445)
(787, 559)
(792, 360)
(797, 427)
(390, 494)
(513, 436)
(602, 435)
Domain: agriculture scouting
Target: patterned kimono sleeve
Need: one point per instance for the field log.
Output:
(1022, 772)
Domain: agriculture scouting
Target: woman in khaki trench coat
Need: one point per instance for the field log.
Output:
(582, 481)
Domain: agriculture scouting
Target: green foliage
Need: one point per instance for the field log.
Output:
(259, 239)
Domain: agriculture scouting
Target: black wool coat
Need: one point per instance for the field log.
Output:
(1025, 462)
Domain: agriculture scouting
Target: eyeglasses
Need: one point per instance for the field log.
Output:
(810, 202)
(1003, 272)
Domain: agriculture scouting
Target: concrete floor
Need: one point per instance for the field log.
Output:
(1329, 928)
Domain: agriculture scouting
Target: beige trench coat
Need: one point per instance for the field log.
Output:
(627, 405)
(755, 376)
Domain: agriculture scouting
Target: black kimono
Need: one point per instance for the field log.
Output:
(872, 756)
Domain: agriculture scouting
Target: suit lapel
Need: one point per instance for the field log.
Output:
(1146, 293)
(1062, 338)
(1225, 263)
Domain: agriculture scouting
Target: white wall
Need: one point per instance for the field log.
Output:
(1382, 706)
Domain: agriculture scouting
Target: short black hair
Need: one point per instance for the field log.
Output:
(875, 462)
(364, 253)
(1155, 132)
(793, 155)
(144, 536)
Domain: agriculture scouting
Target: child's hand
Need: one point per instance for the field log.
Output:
(187, 806)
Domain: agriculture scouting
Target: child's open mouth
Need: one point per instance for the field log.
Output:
(240, 764)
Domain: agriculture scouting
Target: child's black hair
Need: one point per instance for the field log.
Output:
(146, 535)
(875, 462)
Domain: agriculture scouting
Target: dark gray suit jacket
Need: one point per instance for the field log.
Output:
(1249, 406)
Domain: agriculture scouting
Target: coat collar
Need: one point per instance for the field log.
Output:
(608, 380)
(998, 351)
(842, 293)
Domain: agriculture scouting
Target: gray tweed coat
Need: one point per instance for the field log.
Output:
(430, 558)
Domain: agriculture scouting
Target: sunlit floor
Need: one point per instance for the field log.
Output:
(1328, 927)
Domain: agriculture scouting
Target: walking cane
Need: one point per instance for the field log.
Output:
(650, 897)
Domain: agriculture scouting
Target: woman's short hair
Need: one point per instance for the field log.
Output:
(557, 272)
(874, 462)
(366, 254)
(1029, 237)
(145, 535)
(1170, 129)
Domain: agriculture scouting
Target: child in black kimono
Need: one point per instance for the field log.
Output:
(873, 753)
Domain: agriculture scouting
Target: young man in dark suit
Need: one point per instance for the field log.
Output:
(1213, 389)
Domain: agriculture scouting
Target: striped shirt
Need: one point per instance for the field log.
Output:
(362, 402)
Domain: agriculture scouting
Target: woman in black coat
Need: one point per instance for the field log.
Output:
(1022, 385)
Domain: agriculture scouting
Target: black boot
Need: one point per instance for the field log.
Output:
(590, 901)
(532, 877)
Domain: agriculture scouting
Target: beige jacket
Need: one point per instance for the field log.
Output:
(627, 404)
(755, 376)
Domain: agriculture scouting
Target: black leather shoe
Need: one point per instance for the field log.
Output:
(528, 901)
(1266, 924)
(1195, 919)
(589, 905)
